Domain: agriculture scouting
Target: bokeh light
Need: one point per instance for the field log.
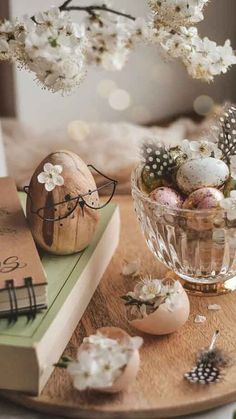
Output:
(119, 99)
(203, 105)
(105, 87)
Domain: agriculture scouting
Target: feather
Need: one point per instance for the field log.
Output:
(227, 135)
(210, 363)
(157, 159)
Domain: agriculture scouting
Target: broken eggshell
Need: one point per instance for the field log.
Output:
(167, 318)
(129, 373)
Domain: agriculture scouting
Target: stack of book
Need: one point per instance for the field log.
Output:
(30, 346)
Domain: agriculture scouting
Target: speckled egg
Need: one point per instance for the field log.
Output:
(167, 196)
(204, 198)
(200, 173)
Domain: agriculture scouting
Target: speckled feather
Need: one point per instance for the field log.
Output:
(227, 135)
(209, 365)
(156, 158)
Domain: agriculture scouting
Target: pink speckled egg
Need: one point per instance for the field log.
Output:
(167, 196)
(204, 198)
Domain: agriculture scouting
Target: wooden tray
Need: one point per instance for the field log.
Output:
(160, 390)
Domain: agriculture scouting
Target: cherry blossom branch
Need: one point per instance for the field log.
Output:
(92, 9)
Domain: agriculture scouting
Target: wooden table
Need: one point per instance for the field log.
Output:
(160, 390)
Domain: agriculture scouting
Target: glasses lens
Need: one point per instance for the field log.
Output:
(101, 197)
(58, 211)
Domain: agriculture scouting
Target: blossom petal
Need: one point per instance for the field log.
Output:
(58, 180)
(58, 169)
(42, 177)
(49, 185)
(48, 167)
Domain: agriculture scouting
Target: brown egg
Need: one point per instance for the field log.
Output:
(129, 373)
(63, 228)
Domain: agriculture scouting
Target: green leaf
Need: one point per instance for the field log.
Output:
(63, 362)
(126, 297)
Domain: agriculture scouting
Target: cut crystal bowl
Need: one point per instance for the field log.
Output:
(199, 246)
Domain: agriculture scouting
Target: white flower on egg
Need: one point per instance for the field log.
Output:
(51, 176)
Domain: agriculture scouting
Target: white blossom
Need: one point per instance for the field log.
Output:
(178, 12)
(229, 205)
(101, 361)
(112, 37)
(171, 291)
(147, 289)
(57, 50)
(200, 149)
(156, 292)
(51, 176)
(186, 149)
(6, 34)
(52, 47)
(233, 166)
(203, 58)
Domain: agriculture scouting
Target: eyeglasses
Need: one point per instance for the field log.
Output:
(66, 208)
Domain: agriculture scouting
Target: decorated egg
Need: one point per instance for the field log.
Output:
(167, 196)
(59, 217)
(200, 173)
(204, 198)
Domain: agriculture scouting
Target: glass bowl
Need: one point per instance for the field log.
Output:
(199, 246)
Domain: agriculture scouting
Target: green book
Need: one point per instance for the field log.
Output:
(28, 349)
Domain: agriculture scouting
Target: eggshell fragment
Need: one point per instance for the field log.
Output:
(129, 374)
(204, 198)
(167, 196)
(163, 321)
(201, 173)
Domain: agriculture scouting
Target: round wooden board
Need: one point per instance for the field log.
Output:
(160, 390)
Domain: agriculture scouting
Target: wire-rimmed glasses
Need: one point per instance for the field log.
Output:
(65, 208)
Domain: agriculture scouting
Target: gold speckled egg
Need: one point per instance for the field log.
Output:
(201, 173)
(60, 225)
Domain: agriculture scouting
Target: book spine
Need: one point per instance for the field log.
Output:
(14, 311)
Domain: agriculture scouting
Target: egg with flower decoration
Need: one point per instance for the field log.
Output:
(61, 204)
(157, 307)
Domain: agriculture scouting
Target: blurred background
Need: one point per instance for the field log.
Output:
(151, 96)
(148, 90)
